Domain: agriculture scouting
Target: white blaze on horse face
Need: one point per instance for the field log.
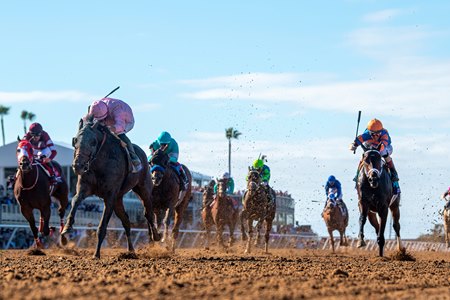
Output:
(21, 152)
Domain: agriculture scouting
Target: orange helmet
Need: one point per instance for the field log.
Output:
(375, 125)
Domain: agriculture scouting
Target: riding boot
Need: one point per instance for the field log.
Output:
(184, 178)
(54, 178)
(137, 166)
(394, 176)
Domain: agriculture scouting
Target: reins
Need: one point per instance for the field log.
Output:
(94, 156)
(35, 182)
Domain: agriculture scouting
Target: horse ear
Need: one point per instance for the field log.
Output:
(19, 139)
(80, 124)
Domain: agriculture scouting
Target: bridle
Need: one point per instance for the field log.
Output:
(372, 169)
(93, 156)
(35, 181)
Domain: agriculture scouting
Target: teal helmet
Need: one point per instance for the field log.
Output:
(258, 163)
(164, 138)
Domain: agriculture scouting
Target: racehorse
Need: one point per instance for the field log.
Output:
(223, 213)
(103, 167)
(33, 190)
(208, 198)
(446, 216)
(375, 194)
(166, 193)
(334, 220)
(256, 207)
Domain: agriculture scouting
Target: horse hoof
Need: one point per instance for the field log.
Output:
(361, 244)
(64, 240)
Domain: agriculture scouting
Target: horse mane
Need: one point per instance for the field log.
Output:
(159, 158)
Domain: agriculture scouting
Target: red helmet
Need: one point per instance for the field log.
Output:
(35, 129)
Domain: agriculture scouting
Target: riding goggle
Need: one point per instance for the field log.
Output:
(375, 132)
(35, 134)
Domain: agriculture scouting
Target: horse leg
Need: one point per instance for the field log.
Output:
(207, 228)
(166, 222)
(374, 221)
(101, 231)
(250, 235)
(219, 234)
(267, 235)
(362, 221)
(76, 200)
(380, 238)
(120, 212)
(330, 232)
(178, 217)
(232, 225)
(258, 232)
(242, 217)
(395, 211)
(27, 212)
(63, 202)
(144, 194)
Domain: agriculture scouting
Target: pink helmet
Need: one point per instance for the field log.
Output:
(99, 110)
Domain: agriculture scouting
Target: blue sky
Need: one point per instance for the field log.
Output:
(290, 75)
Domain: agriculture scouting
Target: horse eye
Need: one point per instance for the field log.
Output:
(18, 150)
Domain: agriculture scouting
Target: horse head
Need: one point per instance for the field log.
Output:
(87, 143)
(222, 188)
(24, 154)
(159, 164)
(372, 165)
(253, 179)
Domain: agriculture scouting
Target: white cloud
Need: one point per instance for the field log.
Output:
(382, 15)
(408, 89)
(43, 96)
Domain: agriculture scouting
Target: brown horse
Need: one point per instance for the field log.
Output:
(256, 207)
(446, 216)
(33, 190)
(376, 197)
(166, 195)
(208, 198)
(223, 213)
(335, 220)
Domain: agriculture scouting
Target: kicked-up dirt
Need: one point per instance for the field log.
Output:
(198, 274)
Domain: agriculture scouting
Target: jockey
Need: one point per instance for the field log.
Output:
(230, 183)
(333, 188)
(376, 136)
(170, 147)
(43, 149)
(264, 173)
(118, 116)
(446, 196)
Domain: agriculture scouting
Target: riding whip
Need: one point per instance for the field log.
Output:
(112, 92)
(357, 128)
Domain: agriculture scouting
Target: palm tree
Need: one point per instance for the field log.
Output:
(26, 115)
(3, 112)
(231, 133)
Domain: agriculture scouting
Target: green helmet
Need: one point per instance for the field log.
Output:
(164, 138)
(258, 164)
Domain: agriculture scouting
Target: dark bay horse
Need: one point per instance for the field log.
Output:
(33, 190)
(103, 169)
(446, 219)
(223, 213)
(166, 192)
(376, 197)
(334, 220)
(256, 208)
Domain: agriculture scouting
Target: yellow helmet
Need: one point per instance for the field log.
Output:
(375, 125)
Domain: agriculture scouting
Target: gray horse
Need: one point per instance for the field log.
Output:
(103, 168)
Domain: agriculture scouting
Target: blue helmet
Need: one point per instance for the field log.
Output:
(164, 138)
(331, 179)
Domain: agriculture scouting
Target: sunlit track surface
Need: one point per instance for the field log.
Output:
(196, 273)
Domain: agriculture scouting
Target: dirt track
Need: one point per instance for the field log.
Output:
(194, 274)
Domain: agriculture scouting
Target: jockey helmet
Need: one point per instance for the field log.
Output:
(164, 138)
(154, 145)
(226, 175)
(99, 110)
(331, 179)
(375, 125)
(258, 164)
(35, 129)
